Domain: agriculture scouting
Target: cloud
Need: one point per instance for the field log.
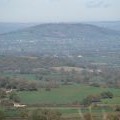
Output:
(58, 10)
(97, 3)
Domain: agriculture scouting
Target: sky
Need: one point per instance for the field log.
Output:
(59, 10)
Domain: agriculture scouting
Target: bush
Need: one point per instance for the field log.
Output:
(113, 117)
(91, 99)
(107, 94)
(48, 89)
(2, 93)
(95, 85)
(14, 97)
(117, 108)
(87, 116)
(86, 101)
(45, 115)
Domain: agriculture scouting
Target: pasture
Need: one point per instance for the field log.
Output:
(66, 94)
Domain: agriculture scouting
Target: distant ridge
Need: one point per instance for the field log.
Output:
(113, 25)
(60, 39)
(9, 27)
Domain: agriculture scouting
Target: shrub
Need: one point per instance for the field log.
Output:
(117, 108)
(87, 116)
(91, 99)
(14, 97)
(45, 115)
(113, 117)
(107, 94)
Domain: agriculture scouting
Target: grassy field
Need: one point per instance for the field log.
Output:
(113, 101)
(63, 95)
(66, 94)
(66, 112)
(74, 111)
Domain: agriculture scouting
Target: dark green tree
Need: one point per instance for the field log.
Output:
(13, 96)
(107, 94)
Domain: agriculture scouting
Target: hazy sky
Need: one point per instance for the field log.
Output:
(59, 10)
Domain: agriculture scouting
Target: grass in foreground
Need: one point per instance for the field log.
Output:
(66, 94)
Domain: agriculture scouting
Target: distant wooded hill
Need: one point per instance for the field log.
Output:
(114, 25)
(9, 27)
(60, 39)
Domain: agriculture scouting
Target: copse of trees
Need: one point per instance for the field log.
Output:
(97, 98)
(117, 108)
(42, 71)
(106, 94)
(2, 93)
(14, 97)
(97, 77)
(91, 99)
(18, 84)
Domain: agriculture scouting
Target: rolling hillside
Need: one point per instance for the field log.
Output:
(10, 27)
(60, 39)
(113, 25)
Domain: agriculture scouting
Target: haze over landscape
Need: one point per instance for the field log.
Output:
(59, 60)
(59, 10)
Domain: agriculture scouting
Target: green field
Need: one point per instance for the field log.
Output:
(74, 111)
(66, 94)
(67, 112)
(113, 101)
